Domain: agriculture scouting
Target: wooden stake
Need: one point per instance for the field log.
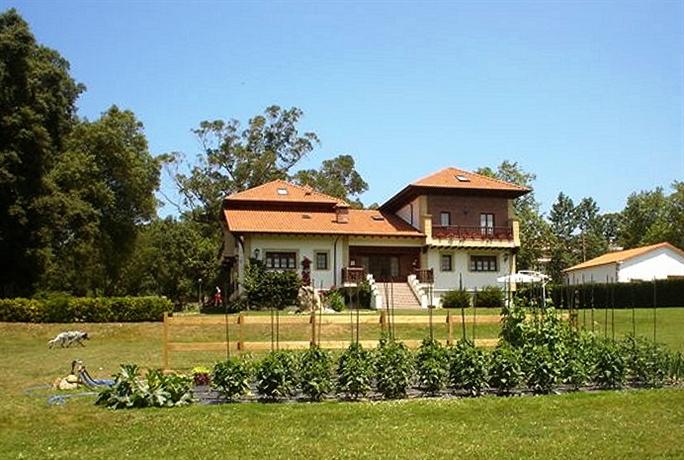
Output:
(165, 344)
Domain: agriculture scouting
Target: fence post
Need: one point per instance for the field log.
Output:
(450, 329)
(312, 321)
(165, 344)
(241, 344)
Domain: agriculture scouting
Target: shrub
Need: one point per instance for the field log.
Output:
(647, 362)
(355, 372)
(513, 327)
(235, 305)
(316, 373)
(231, 378)
(578, 361)
(489, 297)
(393, 369)
(432, 366)
(270, 288)
(129, 390)
(610, 369)
(542, 368)
(467, 367)
(335, 301)
(505, 371)
(276, 375)
(200, 375)
(457, 298)
(65, 309)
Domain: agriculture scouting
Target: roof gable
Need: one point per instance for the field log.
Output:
(619, 256)
(280, 191)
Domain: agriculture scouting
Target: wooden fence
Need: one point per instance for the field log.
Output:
(236, 325)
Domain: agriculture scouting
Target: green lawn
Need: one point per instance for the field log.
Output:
(628, 424)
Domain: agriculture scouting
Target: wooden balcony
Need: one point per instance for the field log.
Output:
(459, 232)
(424, 275)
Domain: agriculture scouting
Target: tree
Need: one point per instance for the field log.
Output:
(37, 112)
(592, 233)
(563, 221)
(102, 189)
(337, 177)
(534, 231)
(644, 219)
(234, 159)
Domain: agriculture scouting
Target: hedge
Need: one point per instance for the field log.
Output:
(65, 309)
(669, 293)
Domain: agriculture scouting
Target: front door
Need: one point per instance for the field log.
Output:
(383, 268)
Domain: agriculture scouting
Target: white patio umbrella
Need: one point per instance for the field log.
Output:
(526, 277)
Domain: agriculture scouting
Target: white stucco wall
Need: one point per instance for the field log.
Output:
(411, 213)
(658, 263)
(445, 281)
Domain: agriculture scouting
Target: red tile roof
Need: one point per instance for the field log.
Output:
(618, 256)
(283, 192)
(460, 179)
(363, 222)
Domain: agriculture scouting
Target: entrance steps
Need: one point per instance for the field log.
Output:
(403, 297)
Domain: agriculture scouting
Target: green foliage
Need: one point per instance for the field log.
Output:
(355, 372)
(505, 369)
(456, 298)
(610, 370)
(157, 389)
(670, 293)
(316, 378)
(513, 325)
(393, 369)
(489, 297)
(65, 309)
(335, 301)
(337, 177)
(542, 368)
(270, 288)
(231, 378)
(432, 366)
(467, 367)
(647, 362)
(277, 375)
(363, 292)
(579, 358)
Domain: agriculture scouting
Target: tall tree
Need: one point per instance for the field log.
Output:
(644, 219)
(592, 237)
(37, 112)
(563, 221)
(534, 231)
(336, 177)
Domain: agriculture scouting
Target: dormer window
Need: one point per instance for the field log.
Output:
(282, 191)
(462, 178)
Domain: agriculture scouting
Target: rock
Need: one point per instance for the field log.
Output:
(64, 384)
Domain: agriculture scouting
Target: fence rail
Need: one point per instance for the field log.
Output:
(314, 321)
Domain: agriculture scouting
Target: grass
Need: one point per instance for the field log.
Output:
(627, 424)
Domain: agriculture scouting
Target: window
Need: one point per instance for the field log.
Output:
(487, 224)
(282, 191)
(445, 219)
(321, 260)
(445, 262)
(462, 178)
(483, 264)
(281, 260)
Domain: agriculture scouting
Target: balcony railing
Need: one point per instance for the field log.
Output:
(460, 232)
(424, 275)
(353, 275)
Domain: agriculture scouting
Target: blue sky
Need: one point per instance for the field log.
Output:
(587, 95)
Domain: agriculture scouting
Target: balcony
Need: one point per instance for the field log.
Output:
(353, 276)
(475, 236)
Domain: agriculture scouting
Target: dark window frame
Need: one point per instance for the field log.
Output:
(442, 214)
(451, 262)
(280, 260)
(482, 263)
(327, 260)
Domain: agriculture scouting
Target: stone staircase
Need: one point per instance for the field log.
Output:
(404, 298)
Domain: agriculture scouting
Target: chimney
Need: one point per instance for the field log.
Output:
(342, 213)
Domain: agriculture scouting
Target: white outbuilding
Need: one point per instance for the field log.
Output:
(658, 261)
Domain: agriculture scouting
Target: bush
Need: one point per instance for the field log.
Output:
(393, 369)
(610, 370)
(355, 372)
(513, 327)
(66, 309)
(542, 368)
(432, 366)
(316, 373)
(457, 298)
(489, 297)
(578, 361)
(335, 301)
(235, 305)
(155, 390)
(670, 293)
(276, 375)
(270, 288)
(467, 367)
(505, 372)
(647, 362)
(231, 378)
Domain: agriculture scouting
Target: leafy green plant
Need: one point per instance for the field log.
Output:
(231, 378)
(130, 390)
(335, 301)
(276, 375)
(648, 363)
(513, 326)
(456, 298)
(432, 366)
(467, 367)
(542, 368)
(316, 373)
(610, 370)
(270, 288)
(355, 372)
(505, 371)
(578, 360)
(489, 297)
(393, 369)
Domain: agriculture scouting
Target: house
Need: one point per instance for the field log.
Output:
(445, 230)
(658, 261)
